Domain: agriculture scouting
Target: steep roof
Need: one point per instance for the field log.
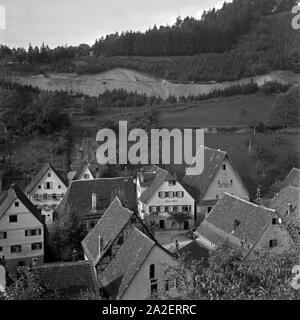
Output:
(37, 178)
(108, 227)
(78, 197)
(69, 278)
(293, 179)
(93, 167)
(197, 185)
(251, 221)
(13, 194)
(288, 196)
(122, 269)
(155, 176)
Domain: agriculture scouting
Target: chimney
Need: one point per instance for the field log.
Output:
(94, 202)
(97, 173)
(100, 246)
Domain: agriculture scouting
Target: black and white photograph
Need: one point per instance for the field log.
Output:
(149, 150)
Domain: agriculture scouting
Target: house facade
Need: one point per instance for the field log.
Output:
(218, 176)
(163, 202)
(21, 230)
(46, 191)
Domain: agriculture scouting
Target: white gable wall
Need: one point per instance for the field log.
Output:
(139, 288)
(49, 203)
(87, 172)
(16, 233)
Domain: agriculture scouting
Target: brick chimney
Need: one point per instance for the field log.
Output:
(94, 202)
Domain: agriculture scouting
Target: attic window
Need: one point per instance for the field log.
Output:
(17, 204)
(13, 218)
(273, 243)
(276, 221)
(223, 166)
(172, 183)
(152, 271)
(49, 175)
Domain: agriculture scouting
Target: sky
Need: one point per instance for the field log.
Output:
(71, 22)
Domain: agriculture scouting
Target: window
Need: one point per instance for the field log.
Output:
(171, 284)
(175, 209)
(231, 182)
(171, 194)
(13, 218)
(179, 194)
(133, 220)
(209, 209)
(161, 209)
(152, 271)
(170, 208)
(15, 249)
(236, 223)
(3, 235)
(86, 176)
(40, 187)
(33, 232)
(36, 246)
(153, 287)
(186, 208)
(273, 243)
(48, 185)
(92, 224)
(59, 186)
(172, 183)
(153, 209)
(1, 249)
(276, 221)
(17, 204)
(49, 175)
(179, 208)
(161, 195)
(223, 166)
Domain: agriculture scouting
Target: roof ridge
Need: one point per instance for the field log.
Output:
(248, 202)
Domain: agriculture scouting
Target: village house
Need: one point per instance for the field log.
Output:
(137, 270)
(86, 171)
(46, 190)
(69, 279)
(162, 201)
(21, 230)
(244, 226)
(112, 230)
(88, 199)
(286, 203)
(218, 176)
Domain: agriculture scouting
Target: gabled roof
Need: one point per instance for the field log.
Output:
(219, 226)
(93, 167)
(198, 185)
(155, 176)
(108, 227)
(78, 197)
(122, 269)
(288, 196)
(40, 175)
(13, 194)
(69, 278)
(293, 179)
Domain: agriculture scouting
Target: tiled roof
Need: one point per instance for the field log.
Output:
(37, 178)
(120, 272)
(155, 176)
(289, 195)
(13, 194)
(219, 225)
(197, 185)
(293, 179)
(78, 197)
(108, 227)
(69, 278)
